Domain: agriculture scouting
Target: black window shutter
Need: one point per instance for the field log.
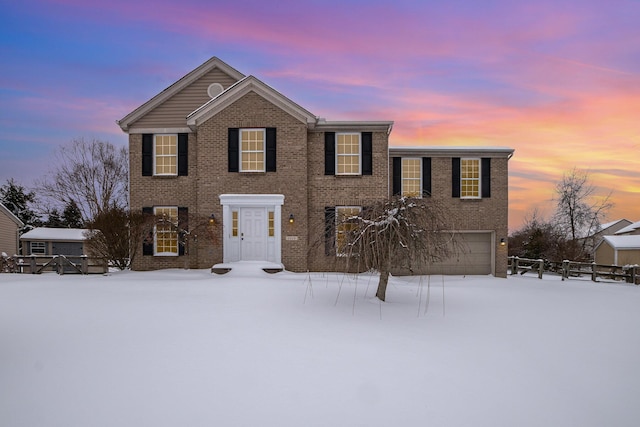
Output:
(147, 154)
(485, 179)
(426, 176)
(233, 149)
(147, 243)
(397, 176)
(183, 227)
(271, 150)
(455, 177)
(329, 153)
(367, 153)
(329, 230)
(183, 154)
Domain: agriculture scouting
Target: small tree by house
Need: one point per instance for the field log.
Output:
(114, 234)
(403, 232)
(180, 231)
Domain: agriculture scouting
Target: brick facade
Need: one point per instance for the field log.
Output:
(299, 176)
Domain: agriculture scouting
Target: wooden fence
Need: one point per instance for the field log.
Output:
(569, 269)
(61, 264)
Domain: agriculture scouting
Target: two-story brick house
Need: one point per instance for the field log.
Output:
(218, 144)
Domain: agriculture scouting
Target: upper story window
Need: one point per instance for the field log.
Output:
(348, 153)
(252, 149)
(348, 160)
(470, 178)
(165, 154)
(165, 148)
(166, 230)
(38, 248)
(412, 177)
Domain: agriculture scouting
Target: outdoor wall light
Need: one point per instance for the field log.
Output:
(502, 242)
(212, 219)
(291, 219)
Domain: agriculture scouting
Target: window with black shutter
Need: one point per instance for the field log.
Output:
(183, 154)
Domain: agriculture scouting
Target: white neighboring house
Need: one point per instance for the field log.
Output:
(54, 241)
(619, 250)
(10, 226)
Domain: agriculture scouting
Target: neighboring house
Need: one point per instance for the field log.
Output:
(54, 241)
(218, 144)
(618, 250)
(611, 228)
(10, 227)
(629, 229)
(607, 229)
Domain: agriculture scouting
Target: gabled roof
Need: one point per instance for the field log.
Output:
(11, 216)
(241, 88)
(629, 228)
(623, 242)
(55, 234)
(177, 87)
(611, 224)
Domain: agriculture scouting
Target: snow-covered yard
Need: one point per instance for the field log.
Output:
(188, 348)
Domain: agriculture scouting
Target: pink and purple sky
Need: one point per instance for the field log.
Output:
(558, 81)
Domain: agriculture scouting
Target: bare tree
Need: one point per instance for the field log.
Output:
(92, 174)
(399, 232)
(538, 238)
(579, 211)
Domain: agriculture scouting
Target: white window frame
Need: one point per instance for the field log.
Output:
(155, 154)
(479, 179)
(419, 179)
(41, 245)
(263, 151)
(359, 135)
(155, 233)
(338, 222)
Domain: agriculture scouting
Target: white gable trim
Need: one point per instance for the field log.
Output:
(237, 91)
(177, 87)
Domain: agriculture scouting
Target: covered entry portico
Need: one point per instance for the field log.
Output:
(251, 227)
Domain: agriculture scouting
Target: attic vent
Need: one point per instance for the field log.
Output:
(214, 89)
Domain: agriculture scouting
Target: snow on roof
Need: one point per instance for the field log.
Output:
(58, 234)
(450, 150)
(623, 242)
(629, 228)
(610, 224)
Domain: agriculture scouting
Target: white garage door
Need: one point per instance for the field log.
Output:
(475, 257)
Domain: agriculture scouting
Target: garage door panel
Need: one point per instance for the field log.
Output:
(475, 257)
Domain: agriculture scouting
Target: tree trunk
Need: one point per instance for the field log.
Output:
(382, 284)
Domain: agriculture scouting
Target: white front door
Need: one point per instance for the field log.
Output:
(253, 234)
(251, 227)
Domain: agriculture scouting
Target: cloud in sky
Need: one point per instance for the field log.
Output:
(559, 81)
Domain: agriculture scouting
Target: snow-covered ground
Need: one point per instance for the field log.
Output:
(188, 348)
